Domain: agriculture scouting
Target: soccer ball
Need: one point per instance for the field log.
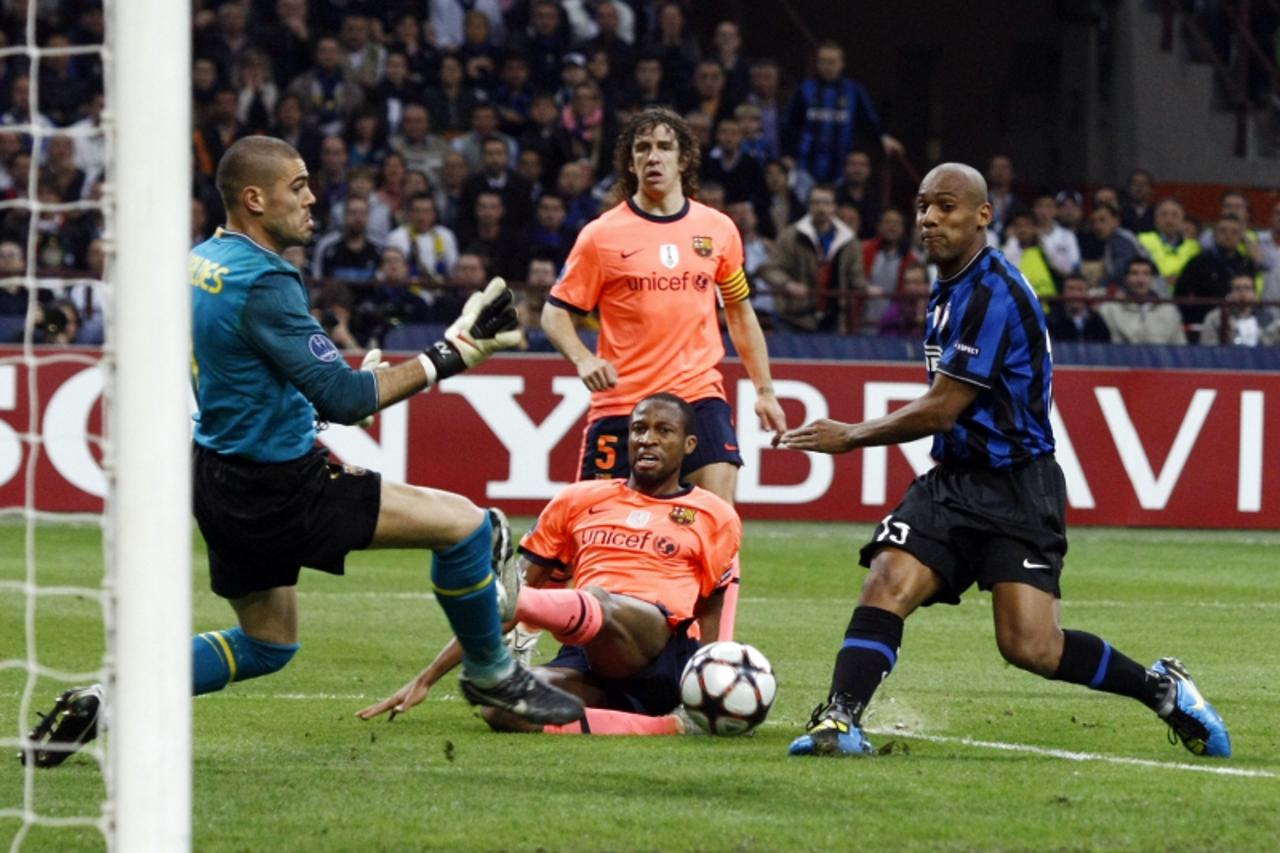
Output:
(727, 688)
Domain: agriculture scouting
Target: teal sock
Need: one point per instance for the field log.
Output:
(220, 657)
(464, 583)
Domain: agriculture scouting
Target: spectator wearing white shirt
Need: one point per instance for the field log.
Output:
(1060, 246)
(1247, 325)
(430, 248)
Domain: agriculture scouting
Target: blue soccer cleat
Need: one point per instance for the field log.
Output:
(1190, 717)
(831, 732)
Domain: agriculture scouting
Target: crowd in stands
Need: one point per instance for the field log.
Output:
(452, 140)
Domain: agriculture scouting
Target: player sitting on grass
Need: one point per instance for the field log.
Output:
(269, 501)
(647, 556)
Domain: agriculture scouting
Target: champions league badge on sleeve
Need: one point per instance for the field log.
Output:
(322, 348)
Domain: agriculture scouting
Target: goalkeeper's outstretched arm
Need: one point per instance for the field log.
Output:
(487, 324)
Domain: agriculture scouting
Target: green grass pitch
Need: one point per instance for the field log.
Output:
(992, 758)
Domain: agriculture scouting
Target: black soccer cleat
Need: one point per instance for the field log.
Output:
(71, 724)
(524, 694)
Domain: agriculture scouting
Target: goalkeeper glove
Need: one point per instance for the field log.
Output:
(487, 324)
(372, 361)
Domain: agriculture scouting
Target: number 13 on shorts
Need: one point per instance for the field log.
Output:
(893, 532)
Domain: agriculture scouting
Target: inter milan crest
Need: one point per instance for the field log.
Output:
(669, 255)
(683, 515)
(702, 246)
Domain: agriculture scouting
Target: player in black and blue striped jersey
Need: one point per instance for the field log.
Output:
(992, 511)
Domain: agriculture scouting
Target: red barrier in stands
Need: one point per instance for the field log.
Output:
(1176, 448)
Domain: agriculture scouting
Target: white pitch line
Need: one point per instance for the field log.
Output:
(960, 741)
(1080, 756)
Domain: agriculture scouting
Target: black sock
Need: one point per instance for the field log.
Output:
(866, 658)
(1090, 660)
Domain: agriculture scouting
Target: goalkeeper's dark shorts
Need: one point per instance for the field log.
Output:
(604, 445)
(980, 525)
(263, 522)
(654, 690)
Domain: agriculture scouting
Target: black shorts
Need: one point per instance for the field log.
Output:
(655, 690)
(264, 521)
(604, 446)
(983, 525)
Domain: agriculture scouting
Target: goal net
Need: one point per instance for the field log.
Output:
(100, 596)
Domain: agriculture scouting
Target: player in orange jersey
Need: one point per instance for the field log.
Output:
(655, 266)
(647, 556)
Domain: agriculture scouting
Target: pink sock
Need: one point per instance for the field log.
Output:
(729, 606)
(572, 616)
(602, 722)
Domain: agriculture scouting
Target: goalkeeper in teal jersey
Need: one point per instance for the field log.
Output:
(270, 502)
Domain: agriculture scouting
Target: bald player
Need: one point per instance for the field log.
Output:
(992, 510)
(267, 498)
(646, 556)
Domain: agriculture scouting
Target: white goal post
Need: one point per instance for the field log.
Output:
(147, 363)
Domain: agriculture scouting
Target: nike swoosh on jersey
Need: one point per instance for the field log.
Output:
(1027, 564)
(626, 255)
(594, 509)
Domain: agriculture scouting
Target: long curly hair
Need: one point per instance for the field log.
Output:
(642, 122)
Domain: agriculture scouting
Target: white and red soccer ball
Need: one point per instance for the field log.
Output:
(728, 688)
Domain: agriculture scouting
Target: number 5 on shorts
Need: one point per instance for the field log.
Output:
(893, 532)
(607, 454)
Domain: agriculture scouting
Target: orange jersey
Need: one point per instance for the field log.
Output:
(669, 551)
(655, 281)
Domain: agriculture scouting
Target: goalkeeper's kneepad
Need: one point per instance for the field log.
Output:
(257, 657)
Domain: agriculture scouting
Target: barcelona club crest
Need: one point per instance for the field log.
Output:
(702, 246)
(683, 515)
